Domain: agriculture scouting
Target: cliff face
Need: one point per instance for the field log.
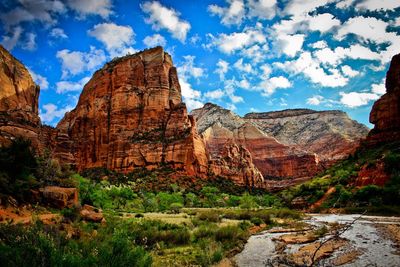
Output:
(18, 101)
(313, 131)
(130, 115)
(221, 128)
(385, 113)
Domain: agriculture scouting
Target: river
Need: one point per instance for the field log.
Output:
(361, 241)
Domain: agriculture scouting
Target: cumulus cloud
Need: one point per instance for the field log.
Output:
(68, 86)
(378, 88)
(9, 42)
(377, 5)
(349, 72)
(30, 42)
(323, 22)
(39, 79)
(269, 86)
(116, 38)
(291, 44)
(50, 111)
(58, 33)
(255, 53)
(215, 95)
(232, 14)
(188, 68)
(243, 67)
(222, 68)
(229, 43)
(315, 100)
(356, 99)
(311, 68)
(103, 8)
(76, 62)
(319, 45)
(263, 9)
(161, 17)
(44, 11)
(154, 40)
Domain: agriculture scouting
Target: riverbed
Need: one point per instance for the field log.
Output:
(350, 240)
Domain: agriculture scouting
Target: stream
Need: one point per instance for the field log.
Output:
(363, 235)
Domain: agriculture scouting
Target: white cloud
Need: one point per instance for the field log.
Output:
(336, 56)
(269, 86)
(349, 72)
(233, 14)
(323, 22)
(39, 79)
(378, 88)
(103, 8)
(301, 7)
(154, 40)
(161, 17)
(377, 5)
(188, 68)
(345, 4)
(264, 9)
(43, 11)
(229, 43)
(229, 88)
(290, 44)
(246, 67)
(67, 86)
(191, 97)
(30, 42)
(315, 100)
(222, 68)
(75, 62)
(310, 67)
(255, 53)
(9, 42)
(266, 70)
(58, 33)
(49, 112)
(319, 45)
(117, 39)
(244, 84)
(216, 94)
(356, 99)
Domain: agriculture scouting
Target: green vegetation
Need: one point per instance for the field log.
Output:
(347, 195)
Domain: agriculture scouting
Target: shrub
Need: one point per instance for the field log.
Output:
(247, 201)
(228, 233)
(204, 231)
(176, 207)
(256, 221)
(210, 216)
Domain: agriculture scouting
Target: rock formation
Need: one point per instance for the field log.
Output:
(130, 115)
(18, 101)
(221, 128)
(385, 113)
(313, 131)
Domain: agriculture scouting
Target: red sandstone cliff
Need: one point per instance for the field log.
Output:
(18, 101)
(130, 115)
(385, 113)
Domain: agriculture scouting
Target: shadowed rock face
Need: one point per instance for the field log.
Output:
(130, 115)
(18, 101)
(385, 113)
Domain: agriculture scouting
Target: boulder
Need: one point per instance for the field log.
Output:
(59, 197)
(91, 214)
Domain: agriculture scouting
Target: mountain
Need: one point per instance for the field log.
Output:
(288, 146)
(18, 101)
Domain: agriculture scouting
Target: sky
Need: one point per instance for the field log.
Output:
(245, 55)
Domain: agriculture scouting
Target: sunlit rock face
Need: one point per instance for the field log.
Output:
(18, 101)
(130, 115)
(331, 134)
(385, 113)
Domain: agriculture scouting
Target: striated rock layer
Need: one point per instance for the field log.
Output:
(385, 113)
(275, 161)
(313, 131)
(18, 101)
(130, 115)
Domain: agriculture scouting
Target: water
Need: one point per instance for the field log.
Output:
(376, 249)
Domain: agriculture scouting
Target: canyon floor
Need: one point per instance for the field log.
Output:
(327, 240)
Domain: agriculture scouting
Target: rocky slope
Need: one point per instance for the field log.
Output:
(312, 131)
(130, 115)
(385, 113)
(220, 128)
(18, 101)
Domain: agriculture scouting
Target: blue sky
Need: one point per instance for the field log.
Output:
(245, 55)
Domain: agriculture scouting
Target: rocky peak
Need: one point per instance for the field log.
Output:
(18, 101)
(130, 115)
(385, 113)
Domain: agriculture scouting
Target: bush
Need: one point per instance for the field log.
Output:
(247, 201)
(256, 221)
(228, 233)
(210, 216)
(176, 207)
(204, 231)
